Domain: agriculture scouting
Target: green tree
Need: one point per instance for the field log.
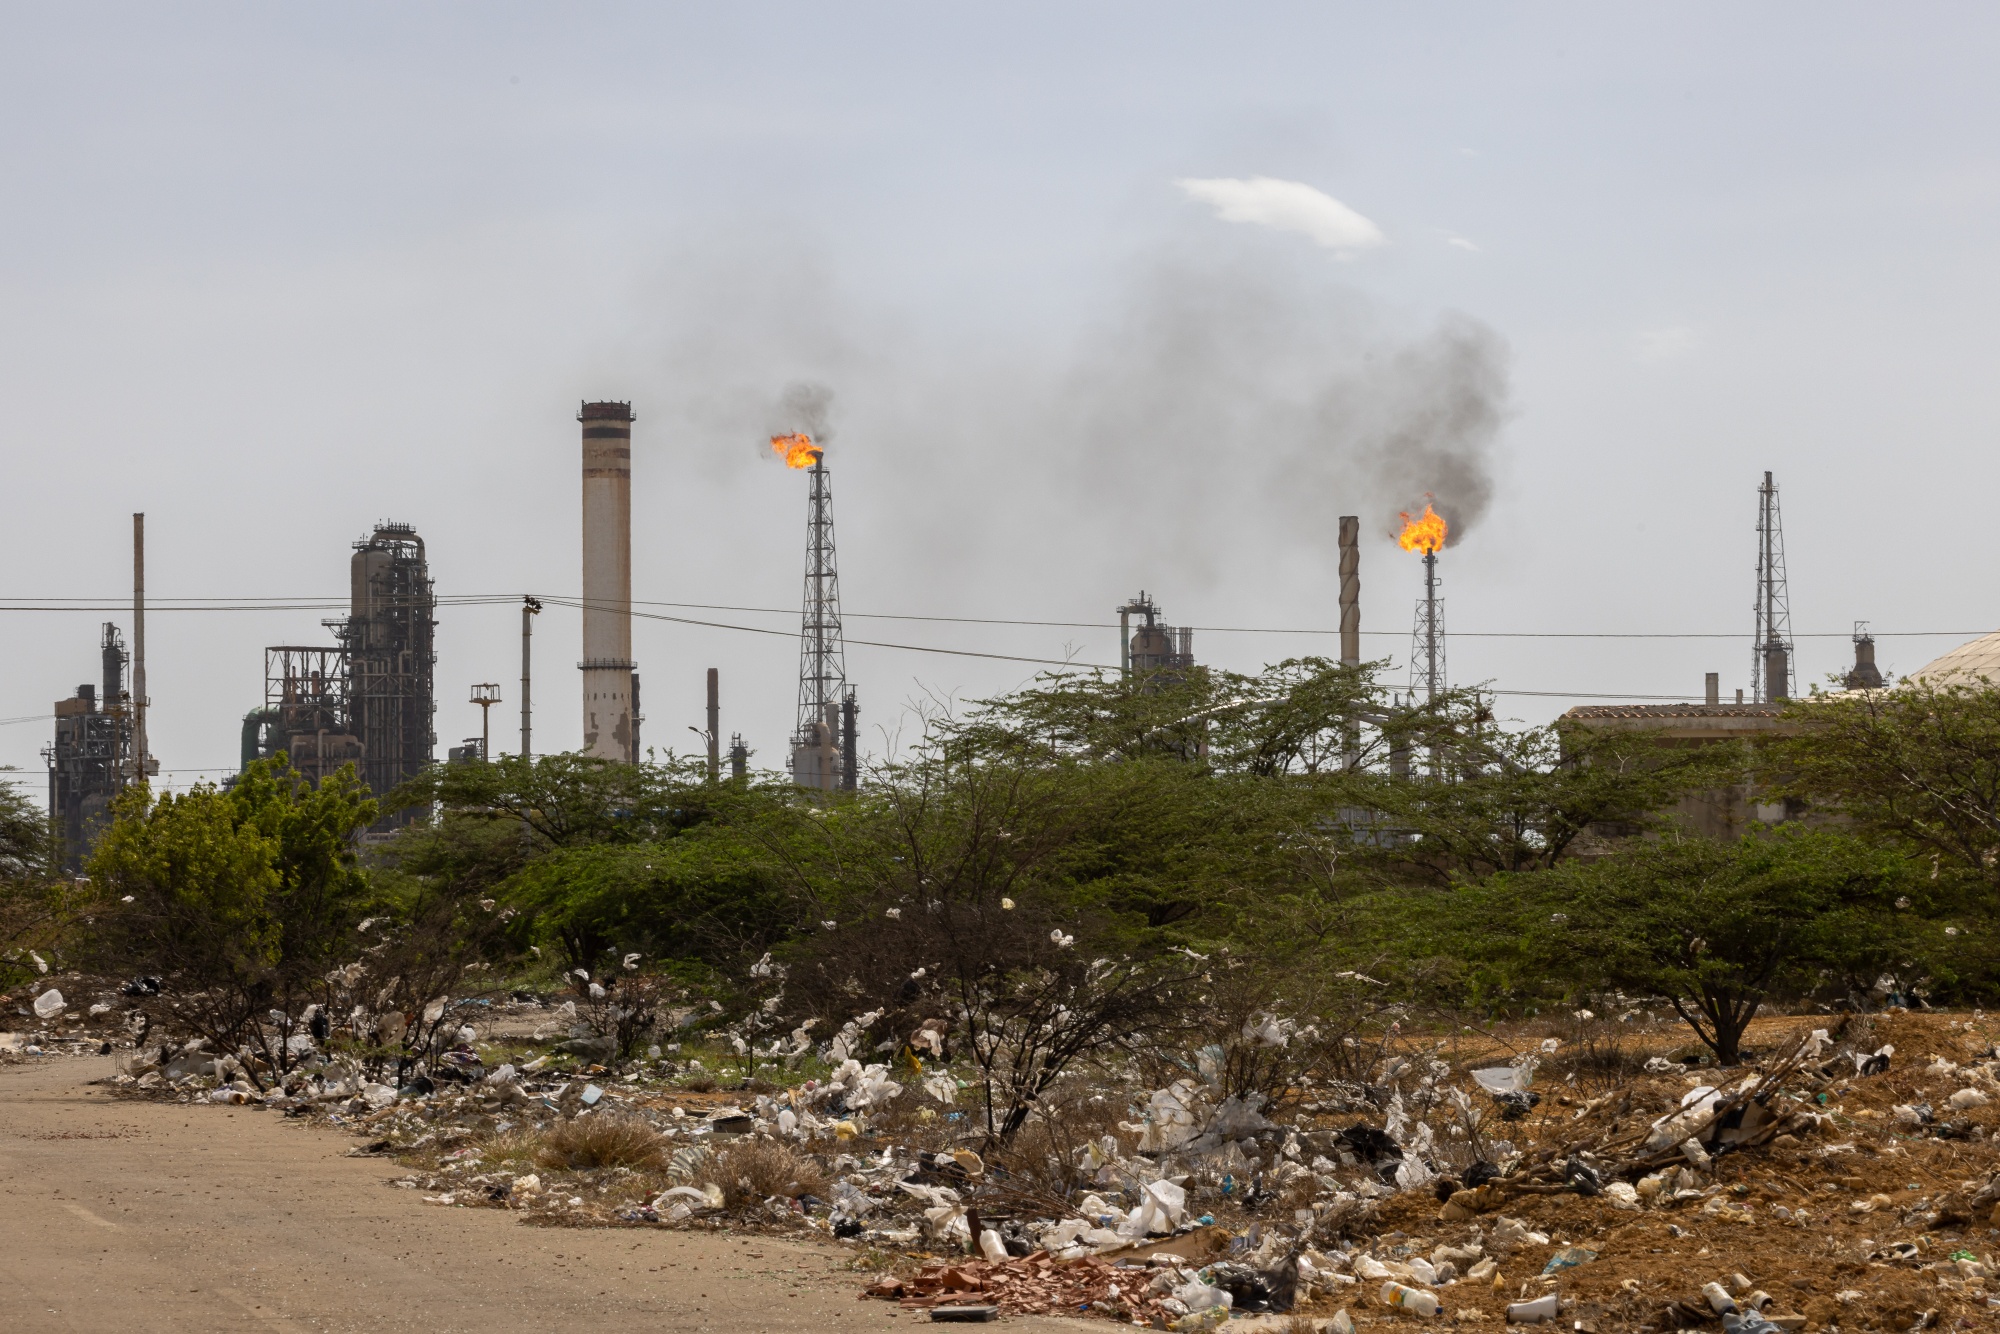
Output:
(1717, 929)
(238, 901)
(1918, 765)
(37, 905)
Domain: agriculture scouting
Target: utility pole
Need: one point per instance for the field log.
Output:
(530, 608)
(486, 694)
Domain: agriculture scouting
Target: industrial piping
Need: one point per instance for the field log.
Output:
(608, 671)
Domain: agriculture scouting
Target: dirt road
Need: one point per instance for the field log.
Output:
(131, 1216)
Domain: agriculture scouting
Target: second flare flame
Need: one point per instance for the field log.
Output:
(797, 450)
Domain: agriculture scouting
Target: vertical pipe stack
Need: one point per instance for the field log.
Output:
(529, 608)
(608, 731)
(1350, 590)
(141, 751)
(1350, 623)
(714, 726)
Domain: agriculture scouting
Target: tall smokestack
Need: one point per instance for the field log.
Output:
(714, 726)
(1350, 590)
(608, 731)
(141, 751)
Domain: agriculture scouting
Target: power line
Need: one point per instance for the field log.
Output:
(272, 603)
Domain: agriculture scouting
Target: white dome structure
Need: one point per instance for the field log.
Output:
(1965, 665)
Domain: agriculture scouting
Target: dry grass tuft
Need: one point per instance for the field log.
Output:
(602, 1141)
(1302, 1324)
(753, 1169)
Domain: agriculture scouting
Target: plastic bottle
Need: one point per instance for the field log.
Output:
(1544, 1307)
(1414, 1300)
(992, 1247)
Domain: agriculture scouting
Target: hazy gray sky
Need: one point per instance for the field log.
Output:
(1109, 297)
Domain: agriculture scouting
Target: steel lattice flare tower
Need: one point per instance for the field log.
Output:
(1771, 651)
(1427, 670)
(822, 650)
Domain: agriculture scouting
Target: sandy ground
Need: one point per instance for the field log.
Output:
(124, 1215)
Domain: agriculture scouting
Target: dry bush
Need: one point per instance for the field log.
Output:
(602, 1141)
(754, 1168)
(520, 1149)
(1047, 1154)
(699, 1084)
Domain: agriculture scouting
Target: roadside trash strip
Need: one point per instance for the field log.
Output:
(885, 1194)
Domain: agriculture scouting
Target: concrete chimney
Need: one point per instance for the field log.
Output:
(1713, 694)
(608, 676)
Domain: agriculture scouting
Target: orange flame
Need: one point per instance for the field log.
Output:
(797, 450)
(1425, 533)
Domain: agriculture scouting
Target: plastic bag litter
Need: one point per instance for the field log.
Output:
(1169, 1118)
(378, 1095)
(1237, 1117)
(1505, 1078)
(1874, 1062)
(1968, 1097)
(50, 1004)
(1199, 1296)
(1160, 1207)
(708, 1195)
(1568, 1258)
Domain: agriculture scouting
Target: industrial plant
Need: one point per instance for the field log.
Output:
(369, 698)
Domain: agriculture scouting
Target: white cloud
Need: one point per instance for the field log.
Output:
(1288, 206)
(1460, 242)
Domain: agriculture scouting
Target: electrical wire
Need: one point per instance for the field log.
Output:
(496, 599)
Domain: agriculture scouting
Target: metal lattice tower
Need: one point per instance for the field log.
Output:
(1427, 669)
(1771, 651)
(822, 650)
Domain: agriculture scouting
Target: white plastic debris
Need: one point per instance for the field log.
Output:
(1160, 1206)
(992, 1247)
(1414, 1300)
(1543, 1308)
(1968, 1097)
(49, 1004)
(378, 1095)
(1505, 1078)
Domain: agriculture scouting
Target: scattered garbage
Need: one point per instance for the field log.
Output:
(1433, 1190)
(49, 1004)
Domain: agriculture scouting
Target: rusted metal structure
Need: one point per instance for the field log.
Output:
(1152, 645)
(391, 698)
(91, 759)
(368, 699)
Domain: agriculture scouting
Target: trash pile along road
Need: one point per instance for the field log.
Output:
(1834, 1182)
